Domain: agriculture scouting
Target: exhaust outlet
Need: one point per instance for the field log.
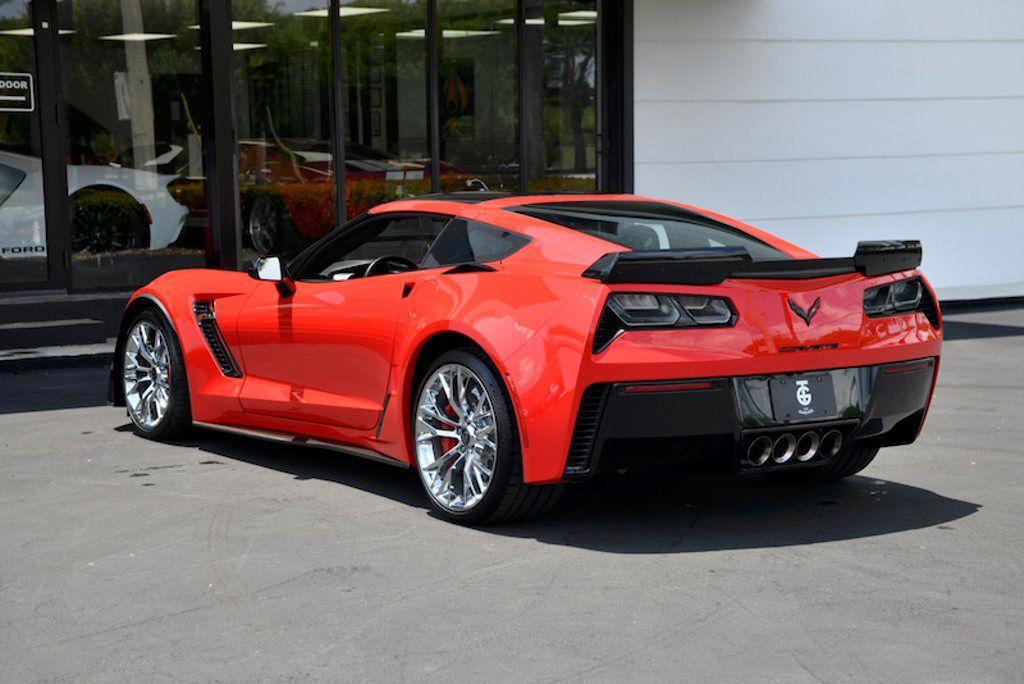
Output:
(759, 451)
(807, 446)
(784, 448)
(831, 443)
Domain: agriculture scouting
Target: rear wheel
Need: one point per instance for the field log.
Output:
(264, 227)
(467, 445)
(153, 373)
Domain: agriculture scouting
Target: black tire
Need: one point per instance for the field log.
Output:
(264, 226)
(177, 420)
(847, 463)
(507, 497)
(108, 221)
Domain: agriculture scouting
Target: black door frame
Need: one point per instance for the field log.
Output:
(43, 15)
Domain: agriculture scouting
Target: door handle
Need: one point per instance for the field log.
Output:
(406, 289)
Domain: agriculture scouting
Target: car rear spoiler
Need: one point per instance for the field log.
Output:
(712, 265)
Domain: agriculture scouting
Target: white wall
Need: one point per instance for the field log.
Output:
(832, 121)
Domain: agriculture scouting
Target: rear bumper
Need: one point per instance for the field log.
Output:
(711, 423)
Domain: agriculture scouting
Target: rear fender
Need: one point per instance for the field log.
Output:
(502, 313)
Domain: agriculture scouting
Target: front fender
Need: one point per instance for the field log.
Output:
(213, 396)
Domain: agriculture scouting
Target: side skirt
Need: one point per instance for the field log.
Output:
(298, 440)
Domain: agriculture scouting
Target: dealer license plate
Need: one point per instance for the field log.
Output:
(803, 397)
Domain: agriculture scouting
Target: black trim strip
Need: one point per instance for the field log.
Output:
(584, 435)
(207, 321)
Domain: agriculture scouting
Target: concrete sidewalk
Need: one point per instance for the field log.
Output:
(236, 560)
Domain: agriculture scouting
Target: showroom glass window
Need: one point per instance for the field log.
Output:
(131, 75)
(22, 223)
(384, 94)
(560, 107)
(478, 93)
(283, 73)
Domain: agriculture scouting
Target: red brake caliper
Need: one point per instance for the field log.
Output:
(448, 443)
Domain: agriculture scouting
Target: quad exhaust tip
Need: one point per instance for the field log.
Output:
(759, 451)
(831, 443)
(784, 448)
(801, 447)
(807, 446)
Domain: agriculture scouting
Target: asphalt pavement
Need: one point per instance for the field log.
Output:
(228, 559)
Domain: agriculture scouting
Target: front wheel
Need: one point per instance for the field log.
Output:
(153, 373)
(467, 445)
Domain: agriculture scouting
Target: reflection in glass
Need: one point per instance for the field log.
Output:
(131, 78)
(560, 85)
(479, 132)
(22, 224)
(283, 113)
(387, 152)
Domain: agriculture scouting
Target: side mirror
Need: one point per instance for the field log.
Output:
(273, 269)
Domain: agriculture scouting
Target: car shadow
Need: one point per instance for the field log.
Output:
(642, 513)
(311, 463)
(659, 513)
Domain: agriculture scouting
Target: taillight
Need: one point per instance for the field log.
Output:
(901, 297)
(628, 310)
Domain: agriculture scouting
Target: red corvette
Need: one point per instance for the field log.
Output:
(506, 345)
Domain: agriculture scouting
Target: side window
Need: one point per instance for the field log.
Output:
(465, 241)
(406, 236)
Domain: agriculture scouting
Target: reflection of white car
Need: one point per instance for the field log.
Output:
(22, 222)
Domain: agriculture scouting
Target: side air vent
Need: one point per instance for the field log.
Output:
(207, 321)
(588, 420)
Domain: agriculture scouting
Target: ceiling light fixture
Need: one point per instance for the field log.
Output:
(343, 11)
(241, 25)
(579, 14)
(138, 37)
(538, 21)
(29, 32)
(447, 33)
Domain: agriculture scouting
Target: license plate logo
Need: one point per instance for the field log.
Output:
(803, 397)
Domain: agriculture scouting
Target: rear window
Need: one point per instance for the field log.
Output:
(464, 242)
(648, 226)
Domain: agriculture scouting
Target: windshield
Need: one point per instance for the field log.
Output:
(647, 226)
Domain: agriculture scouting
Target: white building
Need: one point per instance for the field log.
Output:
(832, 121)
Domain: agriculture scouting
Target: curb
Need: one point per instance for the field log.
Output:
(98, 360)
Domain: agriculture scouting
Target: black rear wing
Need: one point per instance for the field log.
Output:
(713, 265)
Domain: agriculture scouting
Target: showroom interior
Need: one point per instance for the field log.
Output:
(165, 134)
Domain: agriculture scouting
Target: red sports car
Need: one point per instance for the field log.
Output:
(504, 346)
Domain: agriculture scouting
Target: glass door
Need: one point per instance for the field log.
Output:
(23, 235)
(136, 190)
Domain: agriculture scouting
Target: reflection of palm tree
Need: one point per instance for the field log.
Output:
(280, 143)
(140, 88)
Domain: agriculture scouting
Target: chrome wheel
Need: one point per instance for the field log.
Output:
(456, 437)
(147, 375)
(263, 226)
